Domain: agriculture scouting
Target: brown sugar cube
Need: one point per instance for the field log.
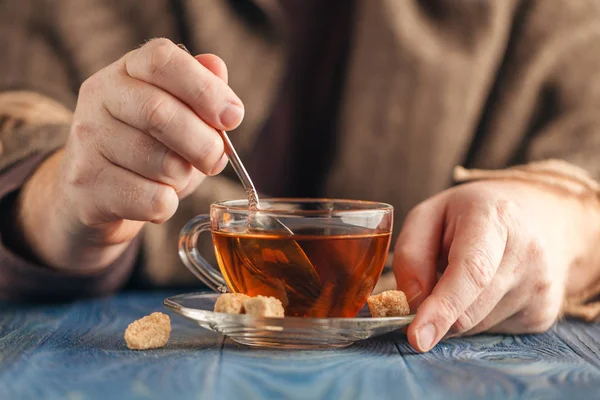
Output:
(149, 332)
(391, 303)
(261, 306)
(231, 303)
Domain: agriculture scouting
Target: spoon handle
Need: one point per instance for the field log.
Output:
(241, 172)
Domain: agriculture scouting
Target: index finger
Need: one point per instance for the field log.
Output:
(162, 63)
(475, 254)
(417, 250)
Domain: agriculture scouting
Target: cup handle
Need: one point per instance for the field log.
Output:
(188, 252)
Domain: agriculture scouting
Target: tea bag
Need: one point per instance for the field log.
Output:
(283, 268)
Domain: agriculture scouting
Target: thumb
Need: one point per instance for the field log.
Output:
(214, 64)
(417, 250)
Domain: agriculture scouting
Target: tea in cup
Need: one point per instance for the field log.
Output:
(325, 265)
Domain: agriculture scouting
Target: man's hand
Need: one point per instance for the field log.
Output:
(143, 137)
(504, 251)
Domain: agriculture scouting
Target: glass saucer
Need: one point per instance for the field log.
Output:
(288, 332)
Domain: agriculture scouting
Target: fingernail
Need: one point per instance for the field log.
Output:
(182, 47)
(425, 337)
(231, 116)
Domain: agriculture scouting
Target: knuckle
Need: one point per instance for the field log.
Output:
(535, 253)
(82, 187)
(158, 114)
(77, 175)
(540, 271)
(464, 323)
(543, 286)
(86, 137)
(90, 86)
(504, 212)
(161, 55)
(479, 268)
(448, 309)
(205, 89)
(81, 131)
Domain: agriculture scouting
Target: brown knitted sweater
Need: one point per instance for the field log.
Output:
(427, 85)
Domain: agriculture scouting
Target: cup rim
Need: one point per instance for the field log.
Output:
(371, 206)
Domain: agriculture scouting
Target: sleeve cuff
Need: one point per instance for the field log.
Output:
(30, 123)
(21, 280)
(555, 173)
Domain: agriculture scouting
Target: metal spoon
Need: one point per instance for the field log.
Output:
(253, 201)
(305, 286)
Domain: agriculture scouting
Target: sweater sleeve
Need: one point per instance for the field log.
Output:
(37, 96)
(21, 278)
(542, 118)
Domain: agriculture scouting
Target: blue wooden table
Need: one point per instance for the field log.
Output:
(76, 351)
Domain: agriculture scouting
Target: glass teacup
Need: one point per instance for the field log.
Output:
(326, 267)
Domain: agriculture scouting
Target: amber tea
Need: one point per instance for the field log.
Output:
(321, 258)
(331, 275)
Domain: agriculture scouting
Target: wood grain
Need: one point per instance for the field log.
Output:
(76, 351)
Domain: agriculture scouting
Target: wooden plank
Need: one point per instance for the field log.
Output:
(491, 367)
(84, 355)
(582, 338)
(24, 328)
(77, 351)
(502, 367)
(364, 370)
